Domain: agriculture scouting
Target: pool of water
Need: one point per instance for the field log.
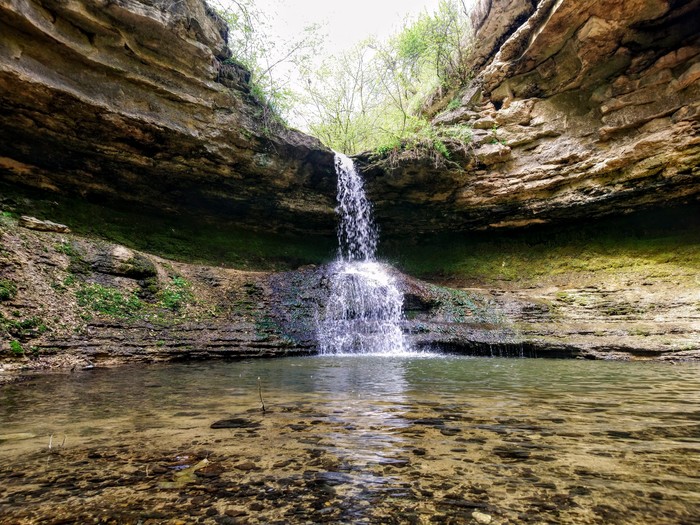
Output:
(363, 439)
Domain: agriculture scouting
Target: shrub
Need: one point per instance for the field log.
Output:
(16, 348)
(8, 289)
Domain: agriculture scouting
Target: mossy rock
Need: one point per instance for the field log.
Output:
(138, 267)
(22, 328)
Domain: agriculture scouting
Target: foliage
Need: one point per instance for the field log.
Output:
(7, 218)
(109, 301)
(364, 98)
(8, 289)
(127, 305)
(176, 294)
(372, 95)
(16, 348)
(66, 248)
(270, 61)
(454, 104)
(22, 329)
(342, 105)
(427, 142)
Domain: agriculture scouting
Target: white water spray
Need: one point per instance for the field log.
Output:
(365, 307)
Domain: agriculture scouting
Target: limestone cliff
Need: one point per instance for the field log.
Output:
(579, 108)
(138, 102)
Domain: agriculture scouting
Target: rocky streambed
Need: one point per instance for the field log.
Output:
(419, 439)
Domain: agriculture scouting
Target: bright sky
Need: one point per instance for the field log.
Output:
(345, 22)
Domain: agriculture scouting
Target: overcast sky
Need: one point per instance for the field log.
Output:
(345, 22)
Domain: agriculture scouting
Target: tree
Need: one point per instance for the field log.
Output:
(271, 61)
(370, 97)
(341, 104)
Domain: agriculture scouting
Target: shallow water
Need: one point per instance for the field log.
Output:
(356, 439)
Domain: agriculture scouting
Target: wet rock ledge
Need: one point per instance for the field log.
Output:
(70, 301)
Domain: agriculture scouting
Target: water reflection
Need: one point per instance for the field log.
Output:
(357, 438)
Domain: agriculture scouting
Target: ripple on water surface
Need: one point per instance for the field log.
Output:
(349, 439)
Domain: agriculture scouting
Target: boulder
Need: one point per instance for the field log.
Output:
(33, 223)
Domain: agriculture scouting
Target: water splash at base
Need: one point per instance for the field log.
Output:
(364, 311)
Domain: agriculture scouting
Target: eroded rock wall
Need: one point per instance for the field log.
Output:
(137, 101)
(71, 301)
(578, 109)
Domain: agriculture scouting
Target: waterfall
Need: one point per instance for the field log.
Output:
(365, 307)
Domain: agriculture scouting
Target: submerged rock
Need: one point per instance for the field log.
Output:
(235, 423)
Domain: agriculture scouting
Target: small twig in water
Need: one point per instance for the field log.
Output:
(58, 446)
(262, 402)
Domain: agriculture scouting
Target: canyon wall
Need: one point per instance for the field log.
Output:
(137, 102)
(578, 109)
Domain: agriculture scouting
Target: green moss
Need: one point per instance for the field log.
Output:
(138, 267)
(185, 238)
(8, 289)
(150, 288)
(655, 244)
(267, 329)
(77, 265)
(7, 219)
(463, 306)
(22, 328)
(109, 301)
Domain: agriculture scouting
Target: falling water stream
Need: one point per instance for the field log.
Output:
(365, 307)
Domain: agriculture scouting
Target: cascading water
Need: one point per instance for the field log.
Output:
(365, 307)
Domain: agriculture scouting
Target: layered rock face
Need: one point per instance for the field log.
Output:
(79, 302)
(578, 109)
(71, 301)
(137, 101)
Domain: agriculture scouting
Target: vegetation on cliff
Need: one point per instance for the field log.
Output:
(367, 98)
(371, 96)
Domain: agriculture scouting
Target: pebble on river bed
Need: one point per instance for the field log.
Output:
(480, 517)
